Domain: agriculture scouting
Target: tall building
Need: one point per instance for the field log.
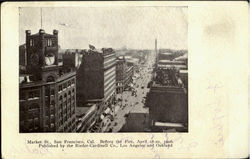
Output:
(135, 63)
(109, 67)
(120, 73)
(129, 74)
(124, 73)
(71, 59)
(168, 96)
(46, 91)
(96, 77)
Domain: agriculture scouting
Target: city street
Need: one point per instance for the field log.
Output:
(132, 108)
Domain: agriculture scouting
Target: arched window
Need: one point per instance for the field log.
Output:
(34, 106)
(52, 103)
(52, 92)
(65, 97)
(69, 95)
(60, 99)
(50, 79)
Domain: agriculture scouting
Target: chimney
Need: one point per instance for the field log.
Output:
(55, 32)
(41, 31)
(28, 32)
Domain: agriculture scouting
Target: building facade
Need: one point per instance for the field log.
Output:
(120, 74)
(135, 63)
(165, 64)
(90, 78)
(109, 66)
(47, 98)
(71, 59)
(96, 76)
(96, 83)
(129, 74)
(167, 100)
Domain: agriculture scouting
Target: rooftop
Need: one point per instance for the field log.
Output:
(81, 111)
(171, 62)
(41, 32)
(28, 80)
(167, 78)
(133, 60)
(164, 66)
(166, 53)
(185, 56)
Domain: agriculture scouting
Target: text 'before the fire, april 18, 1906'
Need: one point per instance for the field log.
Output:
(128, 143)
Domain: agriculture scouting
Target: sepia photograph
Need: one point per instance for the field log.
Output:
(127, 79)
(103, 69)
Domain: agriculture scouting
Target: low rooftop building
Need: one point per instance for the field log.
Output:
(167, 99)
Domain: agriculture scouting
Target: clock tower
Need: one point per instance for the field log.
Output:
(42, 54)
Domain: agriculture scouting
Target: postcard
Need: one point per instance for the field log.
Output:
(124, 79)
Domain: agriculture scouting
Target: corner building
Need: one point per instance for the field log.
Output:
(46, 91)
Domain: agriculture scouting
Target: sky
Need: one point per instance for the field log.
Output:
(116, 27)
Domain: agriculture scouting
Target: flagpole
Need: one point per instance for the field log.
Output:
(41, 18)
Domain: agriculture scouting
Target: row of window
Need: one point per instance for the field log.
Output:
(33, 42)
(49, 91)
(50, 111)
(48, 42)
(68, 125)
(65, 96)
(33, 124)
(30, 124)
(34, 106)
(31, 95)
(67, 113)
(36, 94)
(50, 120)
(109, 71)
(119, 84)
(66, 108)
(66, 84)
(108, 64)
